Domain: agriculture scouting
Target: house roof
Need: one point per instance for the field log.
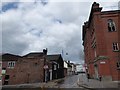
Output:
(69, 65)
(53, 57)
(65, 61)
(34, 54)
(111, 12)
(9, 57)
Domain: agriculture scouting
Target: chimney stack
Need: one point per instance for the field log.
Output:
(95, 7)
(68, 61)
(45, 51)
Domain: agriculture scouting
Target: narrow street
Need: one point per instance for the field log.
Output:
(70, 82)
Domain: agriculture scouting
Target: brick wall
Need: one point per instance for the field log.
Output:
(97, 41)
(27, 70)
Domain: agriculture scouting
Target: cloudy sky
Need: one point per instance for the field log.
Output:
(32, 25)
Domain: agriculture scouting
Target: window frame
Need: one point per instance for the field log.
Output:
(3, 71)
(11, 64)
(55, 67)
(111, 25)
(115, 46)
(118, 65)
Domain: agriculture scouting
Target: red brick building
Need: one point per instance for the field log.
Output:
(26, 69)
(101, 41)
(8, 64)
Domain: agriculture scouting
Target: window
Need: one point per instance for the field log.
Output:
(58, 66)
(3, 71)
(11, 64)
(115, 47)
(118, 65)
(55, 67)
(111, 25)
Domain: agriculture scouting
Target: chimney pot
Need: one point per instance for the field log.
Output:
(45, 51)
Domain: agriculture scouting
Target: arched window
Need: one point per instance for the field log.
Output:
(111, 25)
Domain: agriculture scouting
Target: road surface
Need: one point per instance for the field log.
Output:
(70, 82)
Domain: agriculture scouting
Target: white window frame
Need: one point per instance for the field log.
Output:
(58, 66)
(111, 24)
(11, 64)
(115, 46)
(55, 67)
(3, 71)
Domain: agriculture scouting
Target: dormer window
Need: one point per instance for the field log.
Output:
(111, 25)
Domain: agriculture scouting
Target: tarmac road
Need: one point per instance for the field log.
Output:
(70, 82)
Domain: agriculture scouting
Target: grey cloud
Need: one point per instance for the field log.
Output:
(32, 27)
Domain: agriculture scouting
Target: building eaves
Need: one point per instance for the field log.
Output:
(110, 12)
(34, 54)
(9, 57)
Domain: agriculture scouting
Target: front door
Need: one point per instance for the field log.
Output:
(96, 71)
(50, 74)
(6, 79)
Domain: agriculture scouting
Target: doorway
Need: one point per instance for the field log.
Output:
(96, 71)
(50, 74)
(6, 79)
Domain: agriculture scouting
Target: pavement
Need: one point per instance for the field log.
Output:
(93, 83)
(70, 82)
(50, 84)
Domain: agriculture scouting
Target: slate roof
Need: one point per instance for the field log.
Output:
(69, 65)
(9, 57)
(34, 54)
(53, 57)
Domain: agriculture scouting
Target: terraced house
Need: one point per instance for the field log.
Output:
(101, 41)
